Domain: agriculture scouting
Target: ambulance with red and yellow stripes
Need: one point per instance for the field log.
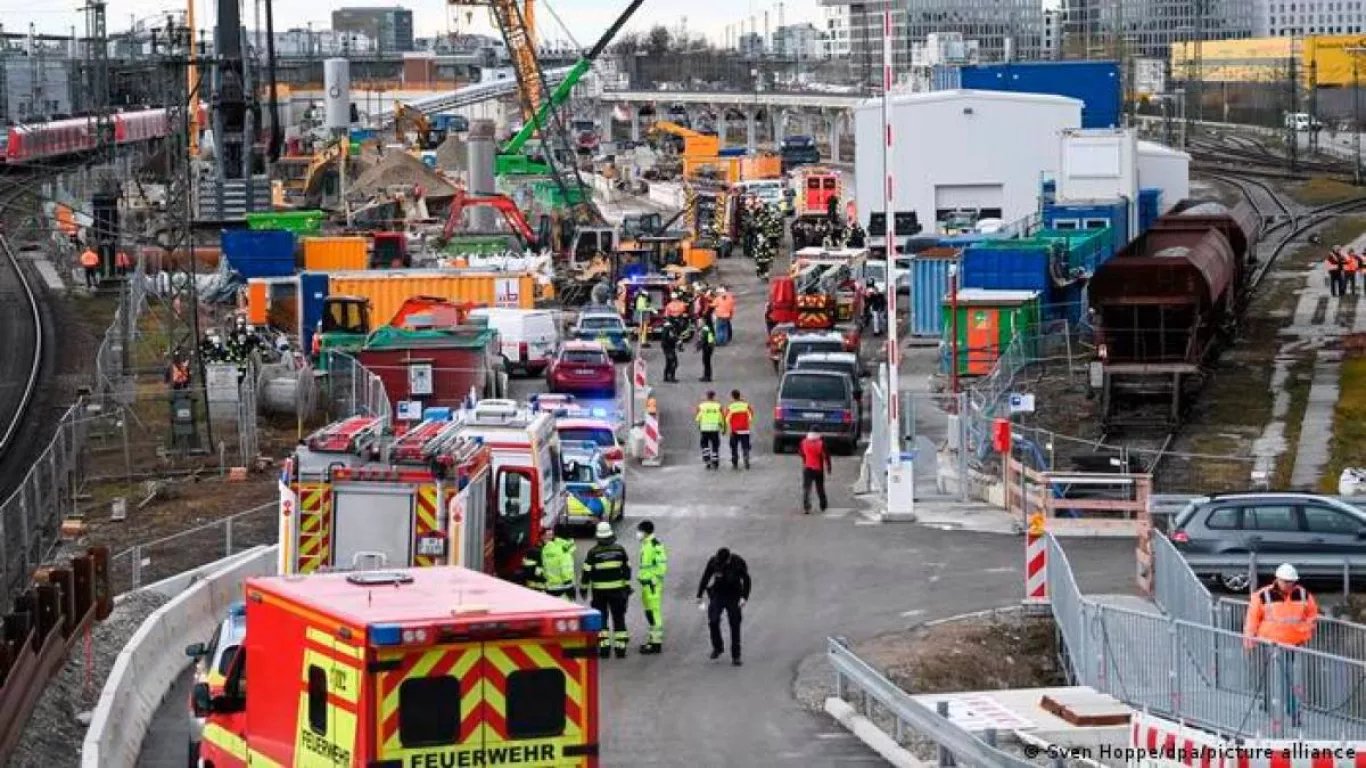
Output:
(356, 495)
(439, 667)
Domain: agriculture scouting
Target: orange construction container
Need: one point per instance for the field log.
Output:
(257, 303)
(765, 165)
(335, 254)
(388, 290)
(698, 258)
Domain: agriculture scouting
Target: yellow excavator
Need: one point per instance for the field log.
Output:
(427, 136)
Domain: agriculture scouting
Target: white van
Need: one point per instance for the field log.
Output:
(529, 337)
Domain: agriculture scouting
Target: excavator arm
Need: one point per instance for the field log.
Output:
(511, 214)
(406, 115)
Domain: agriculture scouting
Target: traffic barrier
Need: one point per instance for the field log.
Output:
(1036, 562)
(653, 456)
(154, 658)
(1157, 742)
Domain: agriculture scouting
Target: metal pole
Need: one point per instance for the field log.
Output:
(900, 493)
(953, 327)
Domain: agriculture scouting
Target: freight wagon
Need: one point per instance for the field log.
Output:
(1163, 304)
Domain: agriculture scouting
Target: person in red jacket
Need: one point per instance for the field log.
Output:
(815, 465)
(739, 417)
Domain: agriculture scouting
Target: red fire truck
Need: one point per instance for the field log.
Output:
(355, 495)
(413, 667)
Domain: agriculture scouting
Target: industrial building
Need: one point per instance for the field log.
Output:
(1005, 29)
(391, 27)
(950, 153)
(1328, 59)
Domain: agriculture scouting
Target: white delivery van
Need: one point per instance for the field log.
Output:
(529, 337)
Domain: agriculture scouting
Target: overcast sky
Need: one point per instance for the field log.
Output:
(585, 19)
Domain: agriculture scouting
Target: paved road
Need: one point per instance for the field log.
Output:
(813, 576)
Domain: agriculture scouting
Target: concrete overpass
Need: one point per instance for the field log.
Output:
(828, 115)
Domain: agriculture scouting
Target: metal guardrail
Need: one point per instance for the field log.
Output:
(1204, 675)
(1176, 588)
(876, 690)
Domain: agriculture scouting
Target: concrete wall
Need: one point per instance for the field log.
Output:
(961, 141)
(149, 665)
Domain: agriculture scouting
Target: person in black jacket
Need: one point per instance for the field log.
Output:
(726, 583)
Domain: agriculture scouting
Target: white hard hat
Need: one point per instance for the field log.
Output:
(604, 530)
(1287, 572)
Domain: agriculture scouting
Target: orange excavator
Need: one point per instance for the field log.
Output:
(502, 203)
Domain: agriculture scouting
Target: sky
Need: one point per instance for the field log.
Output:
(585, 19)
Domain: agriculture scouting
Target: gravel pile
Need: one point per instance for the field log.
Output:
(54, 733)
(453, 155)
(401, 168)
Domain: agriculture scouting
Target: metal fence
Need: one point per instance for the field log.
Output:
(1204, 675)
(151, 561)
(880, 699)
(115, 366)
(931, 435)
(350, 389)
(31, 518)
(1176, 588)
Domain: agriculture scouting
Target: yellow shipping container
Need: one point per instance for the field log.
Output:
(335, 254)
(388, 290)
(1327, 59)
(1335, 58)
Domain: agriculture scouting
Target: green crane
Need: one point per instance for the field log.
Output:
(513, 159)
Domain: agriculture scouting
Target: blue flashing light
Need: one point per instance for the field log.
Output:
(442, 413)
(592, 622)
(601, 413)
(389, 634)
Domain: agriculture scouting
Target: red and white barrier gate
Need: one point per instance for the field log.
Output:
(1036, 561)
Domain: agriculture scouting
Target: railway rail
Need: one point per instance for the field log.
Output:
(15, 186)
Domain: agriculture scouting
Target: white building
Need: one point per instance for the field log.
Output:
(954, 150)
(798, 41)
(1277, 18)
(836, 32)
(1052, 33)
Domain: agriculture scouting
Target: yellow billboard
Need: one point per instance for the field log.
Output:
(1325, 59)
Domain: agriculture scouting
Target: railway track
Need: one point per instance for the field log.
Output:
(24, 328)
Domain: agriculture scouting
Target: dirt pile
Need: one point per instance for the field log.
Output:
(401, 168)
(453, 155)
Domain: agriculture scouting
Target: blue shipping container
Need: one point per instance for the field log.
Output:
(313, 288)
(929, 285)
(1091, 214)
(1007, 269)
(1096, 83)
(259, 253)
(1149, 208)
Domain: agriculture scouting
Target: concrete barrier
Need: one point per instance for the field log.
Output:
(149, 665)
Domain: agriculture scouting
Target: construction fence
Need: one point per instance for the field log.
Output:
(350, 389)
(152, 561)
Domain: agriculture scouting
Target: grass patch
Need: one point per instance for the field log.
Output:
(1300, 377)
(1321, 191)
(1348, 446)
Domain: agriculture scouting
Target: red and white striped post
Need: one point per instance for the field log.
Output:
(900, 479)
(1036, 562)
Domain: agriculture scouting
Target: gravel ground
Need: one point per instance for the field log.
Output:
(976, 652)
(53, 735)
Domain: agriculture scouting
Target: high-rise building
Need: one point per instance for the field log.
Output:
(798, 41)
(1278, 18)
(1005, 29)
(836, 33)
(1147, 28)
(391, 28)
(1052, 33)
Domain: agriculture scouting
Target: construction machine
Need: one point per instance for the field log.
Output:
(428, 137)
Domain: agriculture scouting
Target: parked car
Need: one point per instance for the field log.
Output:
(607, 328)
(211, 662)
(596, 490)
(816, 401)
(846, 363)
(799, 344)
(1277, 526)
(798, 150)
(582, 367)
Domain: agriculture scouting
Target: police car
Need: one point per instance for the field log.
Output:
(608, 329)
(586, 422)
(596, 489)
(211, 662)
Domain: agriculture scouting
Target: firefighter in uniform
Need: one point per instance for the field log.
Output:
(557, 560)
(706, 342)
(606, 574)
(654, 565)
(668, 341)
(532, 574)
(711, 424)
(739, 417)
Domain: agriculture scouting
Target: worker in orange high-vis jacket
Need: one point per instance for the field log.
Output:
(724, 312)
(123, 263)
(1282, 613)
(739, 419)
(1350, 265)
(90, 262)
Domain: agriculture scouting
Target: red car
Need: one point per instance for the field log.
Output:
(582, 366)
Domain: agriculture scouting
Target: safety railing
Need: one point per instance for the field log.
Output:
(161, 558)
(353, 390)
(879, 698)
(1204, 675)
(1176, 588)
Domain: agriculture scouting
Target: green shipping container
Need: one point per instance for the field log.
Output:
(298, 222)
(988, 321)
(1086, 248)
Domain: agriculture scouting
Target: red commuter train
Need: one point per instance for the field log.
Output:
(59, 138)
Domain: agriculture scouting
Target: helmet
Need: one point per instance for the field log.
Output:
(604, 530)
(1287, 572)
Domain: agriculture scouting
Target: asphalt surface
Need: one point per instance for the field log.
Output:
(814, 576)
